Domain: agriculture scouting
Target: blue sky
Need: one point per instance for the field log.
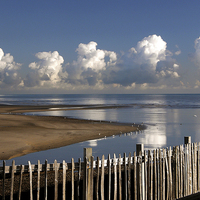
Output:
(107, 46)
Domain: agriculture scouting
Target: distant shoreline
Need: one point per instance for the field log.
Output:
(23, 134)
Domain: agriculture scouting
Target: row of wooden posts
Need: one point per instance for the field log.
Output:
(161, 174)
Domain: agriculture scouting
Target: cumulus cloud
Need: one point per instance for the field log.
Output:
(95, 59)
(197, 84)
(89, 64)
(8, 70)
(151, 50)
(167, 68)
(148, 62)
(48, 70)
(196, 56)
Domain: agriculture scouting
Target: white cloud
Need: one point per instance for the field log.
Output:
(196, 55)
(178, 52)
(49, 64)
(8, 70)
(95, 59)
(90, 63)
(151, 50)
(148, 62)
(132, 50)
(48, 70)
(175, 65)
(197, 44)
(197, 84)
(146, 65)
(7, 62)
(144, 86)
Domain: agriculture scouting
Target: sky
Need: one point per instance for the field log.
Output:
(99, 46)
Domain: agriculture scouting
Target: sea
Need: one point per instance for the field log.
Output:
(168, 119)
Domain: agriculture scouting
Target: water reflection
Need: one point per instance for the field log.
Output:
(97, 115)
(165, 127)
(152, 141)
(92, 143)
(156, 135)
(94, 101)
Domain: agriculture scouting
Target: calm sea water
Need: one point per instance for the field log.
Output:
(168, 118)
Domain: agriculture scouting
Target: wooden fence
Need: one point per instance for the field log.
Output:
(159, 174)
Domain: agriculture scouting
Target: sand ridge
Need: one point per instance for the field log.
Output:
(23, 134)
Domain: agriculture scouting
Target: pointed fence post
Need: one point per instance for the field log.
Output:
(140, 151)
(188, 143)
(88, 154)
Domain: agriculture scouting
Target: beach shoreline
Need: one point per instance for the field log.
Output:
(23, 134)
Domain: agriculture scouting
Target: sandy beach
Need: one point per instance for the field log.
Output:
(23, 134)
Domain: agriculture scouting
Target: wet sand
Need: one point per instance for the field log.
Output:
(23, 134)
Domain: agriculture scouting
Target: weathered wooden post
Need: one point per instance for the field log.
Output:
(46, 184)
(88, 154)
(4, 177)
(140, 152)
(187, 142)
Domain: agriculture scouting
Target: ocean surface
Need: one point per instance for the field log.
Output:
(168, 119)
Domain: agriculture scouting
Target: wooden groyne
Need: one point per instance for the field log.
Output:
(160, 174)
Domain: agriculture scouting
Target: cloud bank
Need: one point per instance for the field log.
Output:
(147, 65)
